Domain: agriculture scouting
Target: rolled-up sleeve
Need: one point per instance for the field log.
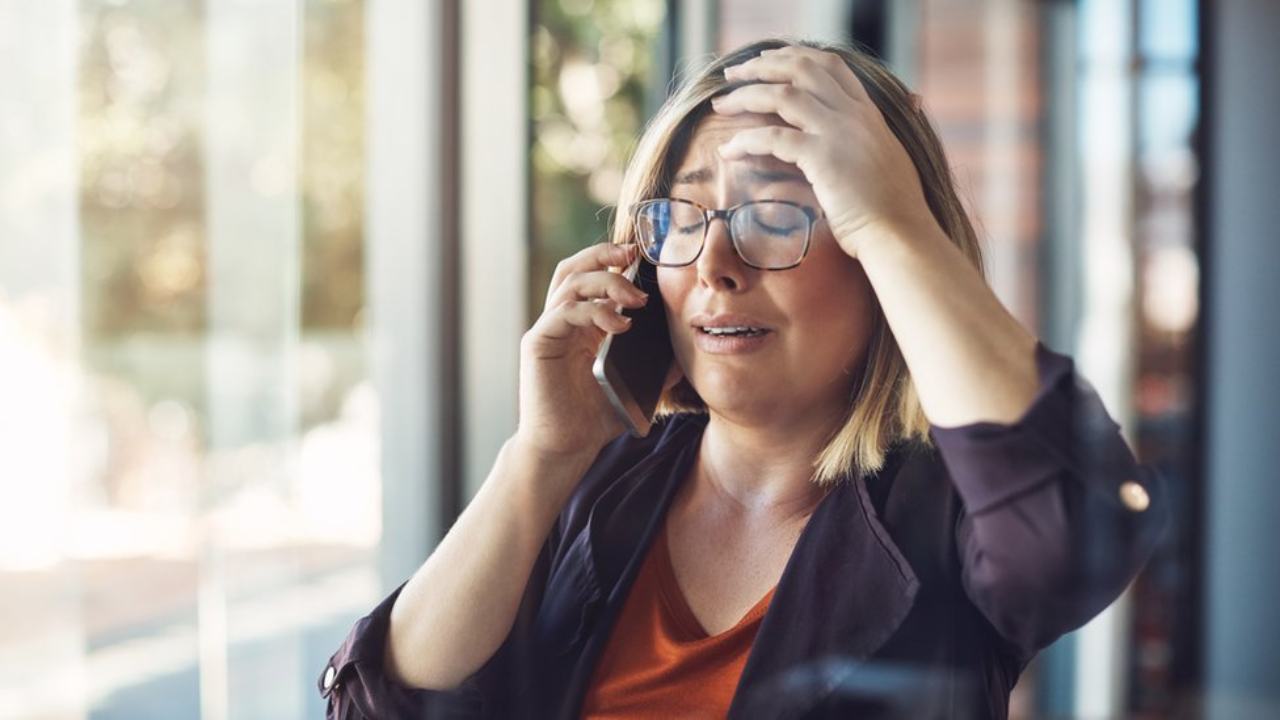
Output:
(358, 687)
(1058, 515)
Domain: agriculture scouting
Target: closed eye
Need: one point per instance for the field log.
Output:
(775, 230)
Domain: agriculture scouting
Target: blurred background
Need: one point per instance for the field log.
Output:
(264, 267)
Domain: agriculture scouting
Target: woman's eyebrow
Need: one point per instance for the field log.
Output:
(693, 177)
(702, 175)
(778, 176)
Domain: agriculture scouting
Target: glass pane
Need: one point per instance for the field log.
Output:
(209, 527)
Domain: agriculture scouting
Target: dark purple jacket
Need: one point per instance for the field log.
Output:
(922, 591)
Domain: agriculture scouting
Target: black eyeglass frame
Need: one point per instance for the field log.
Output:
(709, 214)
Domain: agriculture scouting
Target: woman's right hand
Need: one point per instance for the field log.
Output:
(562, 410)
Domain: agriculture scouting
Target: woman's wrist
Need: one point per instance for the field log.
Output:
(548, 469)
(530, 449)
(890, 235)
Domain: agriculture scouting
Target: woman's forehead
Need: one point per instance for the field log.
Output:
(702, 163)
(738, 119)
(717, 128)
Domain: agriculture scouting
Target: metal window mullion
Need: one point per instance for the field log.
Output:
(494, 224)
(253, 240)
(406, 256)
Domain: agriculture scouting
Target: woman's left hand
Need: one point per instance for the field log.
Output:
(860, 172)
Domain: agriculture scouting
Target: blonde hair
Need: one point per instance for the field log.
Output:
(883, 407)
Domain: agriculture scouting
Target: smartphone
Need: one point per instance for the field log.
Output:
(631, 367)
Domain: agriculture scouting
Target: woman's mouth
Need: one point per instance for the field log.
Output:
(730, 340)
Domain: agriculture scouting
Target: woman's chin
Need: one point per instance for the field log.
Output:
(739, 398)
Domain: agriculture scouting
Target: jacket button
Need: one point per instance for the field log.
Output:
(329, 676)
(1134, 496)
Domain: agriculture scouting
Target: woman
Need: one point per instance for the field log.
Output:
(873, 493)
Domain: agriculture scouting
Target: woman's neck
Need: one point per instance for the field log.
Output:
(763, 471)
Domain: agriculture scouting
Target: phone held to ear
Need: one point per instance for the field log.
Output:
(631, 367)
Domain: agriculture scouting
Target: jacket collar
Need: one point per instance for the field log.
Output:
(844, 591)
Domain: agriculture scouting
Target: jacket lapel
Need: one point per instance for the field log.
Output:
(621, 525)
(844, 592)
(627, 515)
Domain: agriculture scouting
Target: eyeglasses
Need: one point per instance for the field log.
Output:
(766, 234)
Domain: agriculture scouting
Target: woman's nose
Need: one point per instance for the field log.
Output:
(719, 266)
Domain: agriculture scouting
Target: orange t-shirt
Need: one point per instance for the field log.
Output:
(659, 662)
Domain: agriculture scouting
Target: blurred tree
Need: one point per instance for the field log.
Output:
(142, 170)
(332, 172)
(142, 181)
(593, 64)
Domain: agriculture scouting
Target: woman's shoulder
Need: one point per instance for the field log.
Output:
(913, 477)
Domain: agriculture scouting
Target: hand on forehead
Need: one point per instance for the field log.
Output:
(705, 171)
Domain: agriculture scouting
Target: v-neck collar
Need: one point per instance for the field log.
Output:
(677, 603)
(845, 588)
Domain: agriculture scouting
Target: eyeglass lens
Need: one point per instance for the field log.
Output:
(767, 234)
